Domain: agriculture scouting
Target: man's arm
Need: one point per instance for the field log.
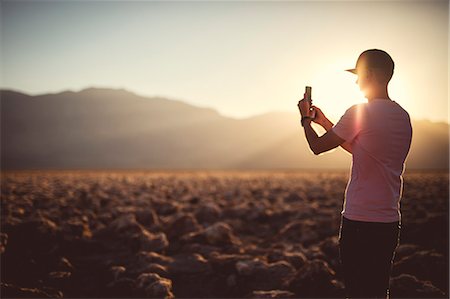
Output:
(323, 143)
(325, 123)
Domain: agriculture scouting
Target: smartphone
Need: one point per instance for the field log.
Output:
(308, 94)
(308, 90)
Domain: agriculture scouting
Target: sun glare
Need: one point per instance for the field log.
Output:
(335, 90)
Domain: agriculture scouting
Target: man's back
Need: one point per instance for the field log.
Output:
(380, 136)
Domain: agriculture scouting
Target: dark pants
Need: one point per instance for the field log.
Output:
(367, 250)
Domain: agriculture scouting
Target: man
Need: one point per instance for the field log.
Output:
(378, 135)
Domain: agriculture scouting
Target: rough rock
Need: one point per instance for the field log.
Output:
(38, 234)
(217, 234)
(296, 259)
(408, 286)
(58, 279)
(160, 289)
(192, 275)
(75, 229)
(260, 275)
(148, 257)
(147, 261)
(225, 263)
(158, 269)
(294, 197)
(208, 213)
(164, 207)
(46, 219)
(125, 224)
(191, 263)
(123, 287)
(126, 231)
(155, 285)
(203, 249)
(181, 225)
(220, 233)
(427, 229)
(148, 218)
(316, 280)
(425, 265)
(63, 264)
(117, 272)
(251, 211)
(271, 294)
(330, 249)
(404, 250)
(299, 231)
(250, 267)
(152, 242)
(12, 291)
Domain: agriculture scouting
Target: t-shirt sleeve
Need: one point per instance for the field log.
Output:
(349, 125)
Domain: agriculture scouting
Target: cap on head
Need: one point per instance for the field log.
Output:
(375, 59)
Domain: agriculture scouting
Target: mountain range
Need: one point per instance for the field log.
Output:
(100, 128)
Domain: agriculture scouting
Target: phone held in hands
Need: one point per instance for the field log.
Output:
(308, 98)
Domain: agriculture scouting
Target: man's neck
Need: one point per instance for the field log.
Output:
(381, 93)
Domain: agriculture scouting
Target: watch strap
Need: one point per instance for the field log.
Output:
(303, 120)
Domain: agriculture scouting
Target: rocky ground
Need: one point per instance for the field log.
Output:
(203, 235)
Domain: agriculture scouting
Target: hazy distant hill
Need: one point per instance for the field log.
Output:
(110, 129)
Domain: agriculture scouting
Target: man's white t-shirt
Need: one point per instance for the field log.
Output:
(379, 133)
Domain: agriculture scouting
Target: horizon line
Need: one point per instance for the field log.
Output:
(99, 87)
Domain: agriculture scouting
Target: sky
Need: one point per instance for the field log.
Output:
(242, 58)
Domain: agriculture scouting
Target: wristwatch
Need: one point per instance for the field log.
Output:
(303, 120)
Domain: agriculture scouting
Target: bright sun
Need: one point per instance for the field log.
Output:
(335, 90)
